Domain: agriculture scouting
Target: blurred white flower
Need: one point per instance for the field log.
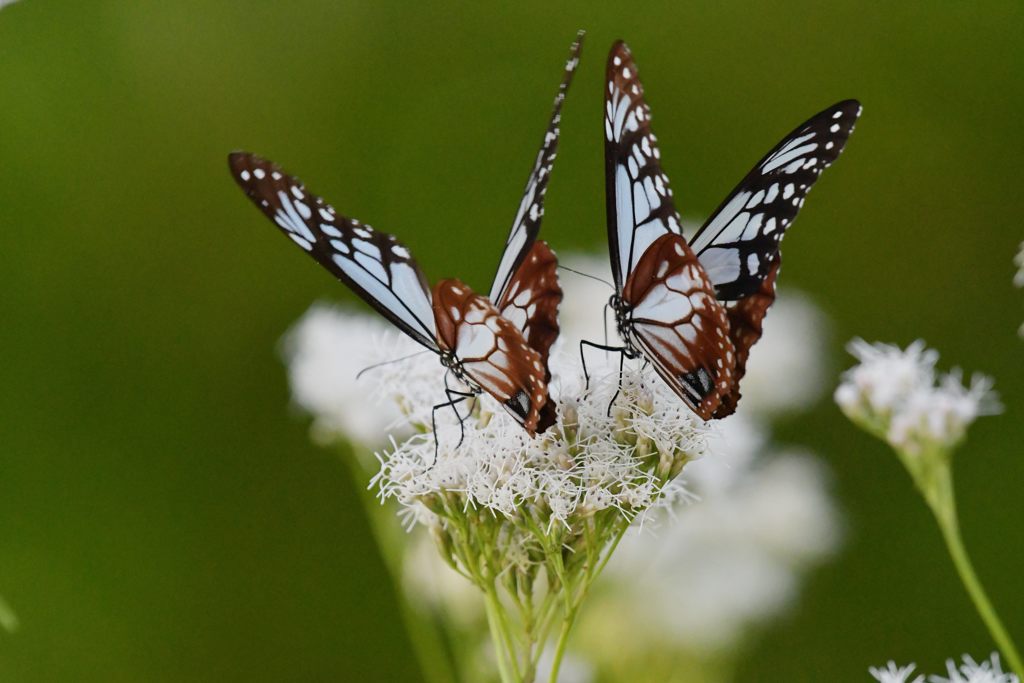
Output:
(4, 3)
(325, 351)
(735, 557)
(987, 671)
(897, 395)
(432, 586)
(895, 674)
(1018, 279)
(574, 669)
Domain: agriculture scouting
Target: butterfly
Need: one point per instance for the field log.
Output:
(693, 310)
(497, 344)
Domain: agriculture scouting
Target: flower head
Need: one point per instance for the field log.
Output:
(895, 674)
(970, 671)
(898, 395)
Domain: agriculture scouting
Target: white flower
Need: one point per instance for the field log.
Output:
(886, 376)
(325, 350)
(989, 671)
(940, 414)
(895, 674)
(897, 395)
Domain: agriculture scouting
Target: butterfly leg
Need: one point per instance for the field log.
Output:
(621, 350)
(459, 397)
(449, 392)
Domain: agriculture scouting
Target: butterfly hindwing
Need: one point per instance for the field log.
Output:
(640, 208)
(679, 324)
(739, 243)
(492, 351)
(530, 302)
(746, 318)
(373, 264)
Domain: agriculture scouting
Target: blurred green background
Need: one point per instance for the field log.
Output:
(163, 515)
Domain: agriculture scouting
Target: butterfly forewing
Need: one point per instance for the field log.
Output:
(677, 322)
(737, 246)
(639, 201)
(492, 351)
(373, 264)
(526, 225)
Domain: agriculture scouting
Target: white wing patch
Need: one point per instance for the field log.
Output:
(740, 242)
(373, 264)
(643, 206)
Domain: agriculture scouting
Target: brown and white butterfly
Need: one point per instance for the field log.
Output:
(500, 348)
(695, 309)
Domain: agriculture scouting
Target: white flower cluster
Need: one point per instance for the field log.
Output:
(588, 462)
(970, 671)
(898, 395)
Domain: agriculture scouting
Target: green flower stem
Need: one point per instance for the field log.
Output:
(595, 565)
(936, 483)
(501, 654)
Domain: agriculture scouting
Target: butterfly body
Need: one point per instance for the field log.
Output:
(694, 309)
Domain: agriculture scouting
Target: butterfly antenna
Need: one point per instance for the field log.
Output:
(592, 277)
(388, 362)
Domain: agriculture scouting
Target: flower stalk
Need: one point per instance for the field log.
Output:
(895, 395)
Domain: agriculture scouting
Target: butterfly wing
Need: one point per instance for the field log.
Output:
(746, 318)
(526, 225)
(739, 244)
(492, 351)
(680, 326)
(373, 264)
(640, 208)
(531, 304)
(531, 300)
